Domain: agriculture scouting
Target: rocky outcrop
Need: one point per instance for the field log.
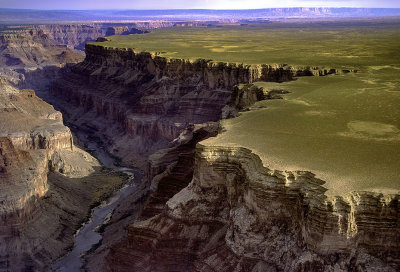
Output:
(171, 169)
(243, 98)
(33, 143)
(33, 55)
(32, 132)
(75, 36)
(117, 30)
(212, 74)
(217, 210)
(237, 215)
(147, 109)
(142, 117)
(32, 129)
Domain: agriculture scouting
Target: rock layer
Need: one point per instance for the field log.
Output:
(237, 215)
(33, 139)
(31, 48)
(33, 219)
(152, 101)
(30, 59)
(75, 36)
(32, 55)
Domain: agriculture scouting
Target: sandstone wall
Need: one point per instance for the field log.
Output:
(73, 35)
(33, 217)
(211, 73)
(31, 48)
(237, 215)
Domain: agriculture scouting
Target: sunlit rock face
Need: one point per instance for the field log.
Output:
(30, 129)
(32, 132)
(29, 58)
(32, 47)
(33, 143)
(237, 215)
(74, 36)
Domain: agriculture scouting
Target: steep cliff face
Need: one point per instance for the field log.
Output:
(20, 186)
(33, 139)
(149, 100)
(75, 36)
(31, 48)
(203, 209)
(33, 55)
(30, 59)
(144, 107)
(33, 142)
(237, 215)
(151, 112)
(138, 103)
(210, 73)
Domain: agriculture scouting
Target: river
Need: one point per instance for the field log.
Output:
(86, 237)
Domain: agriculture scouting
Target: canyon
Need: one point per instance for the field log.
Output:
(37, 159)
(205, 221)
(49, 183)
(198, 207)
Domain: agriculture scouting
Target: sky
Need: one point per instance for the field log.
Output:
(191, 4)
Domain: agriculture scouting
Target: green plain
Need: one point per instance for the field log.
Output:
(314, 44)
(343, 128)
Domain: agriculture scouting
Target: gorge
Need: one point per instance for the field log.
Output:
(199, 206)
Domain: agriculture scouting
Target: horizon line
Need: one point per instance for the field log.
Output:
(122, 9)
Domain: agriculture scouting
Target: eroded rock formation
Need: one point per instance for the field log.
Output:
(30, 59)
(234, 214)
(237, 215)
(204, 209)
(75, 36)
(35, 226)
(151, 100)
(31, 47)
(33, 55)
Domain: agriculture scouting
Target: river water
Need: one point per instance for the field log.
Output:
(87, 237)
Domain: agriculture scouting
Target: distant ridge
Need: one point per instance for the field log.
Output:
(25, 15)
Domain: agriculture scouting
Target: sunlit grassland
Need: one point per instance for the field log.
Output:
(327, 45)
(344, 128)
